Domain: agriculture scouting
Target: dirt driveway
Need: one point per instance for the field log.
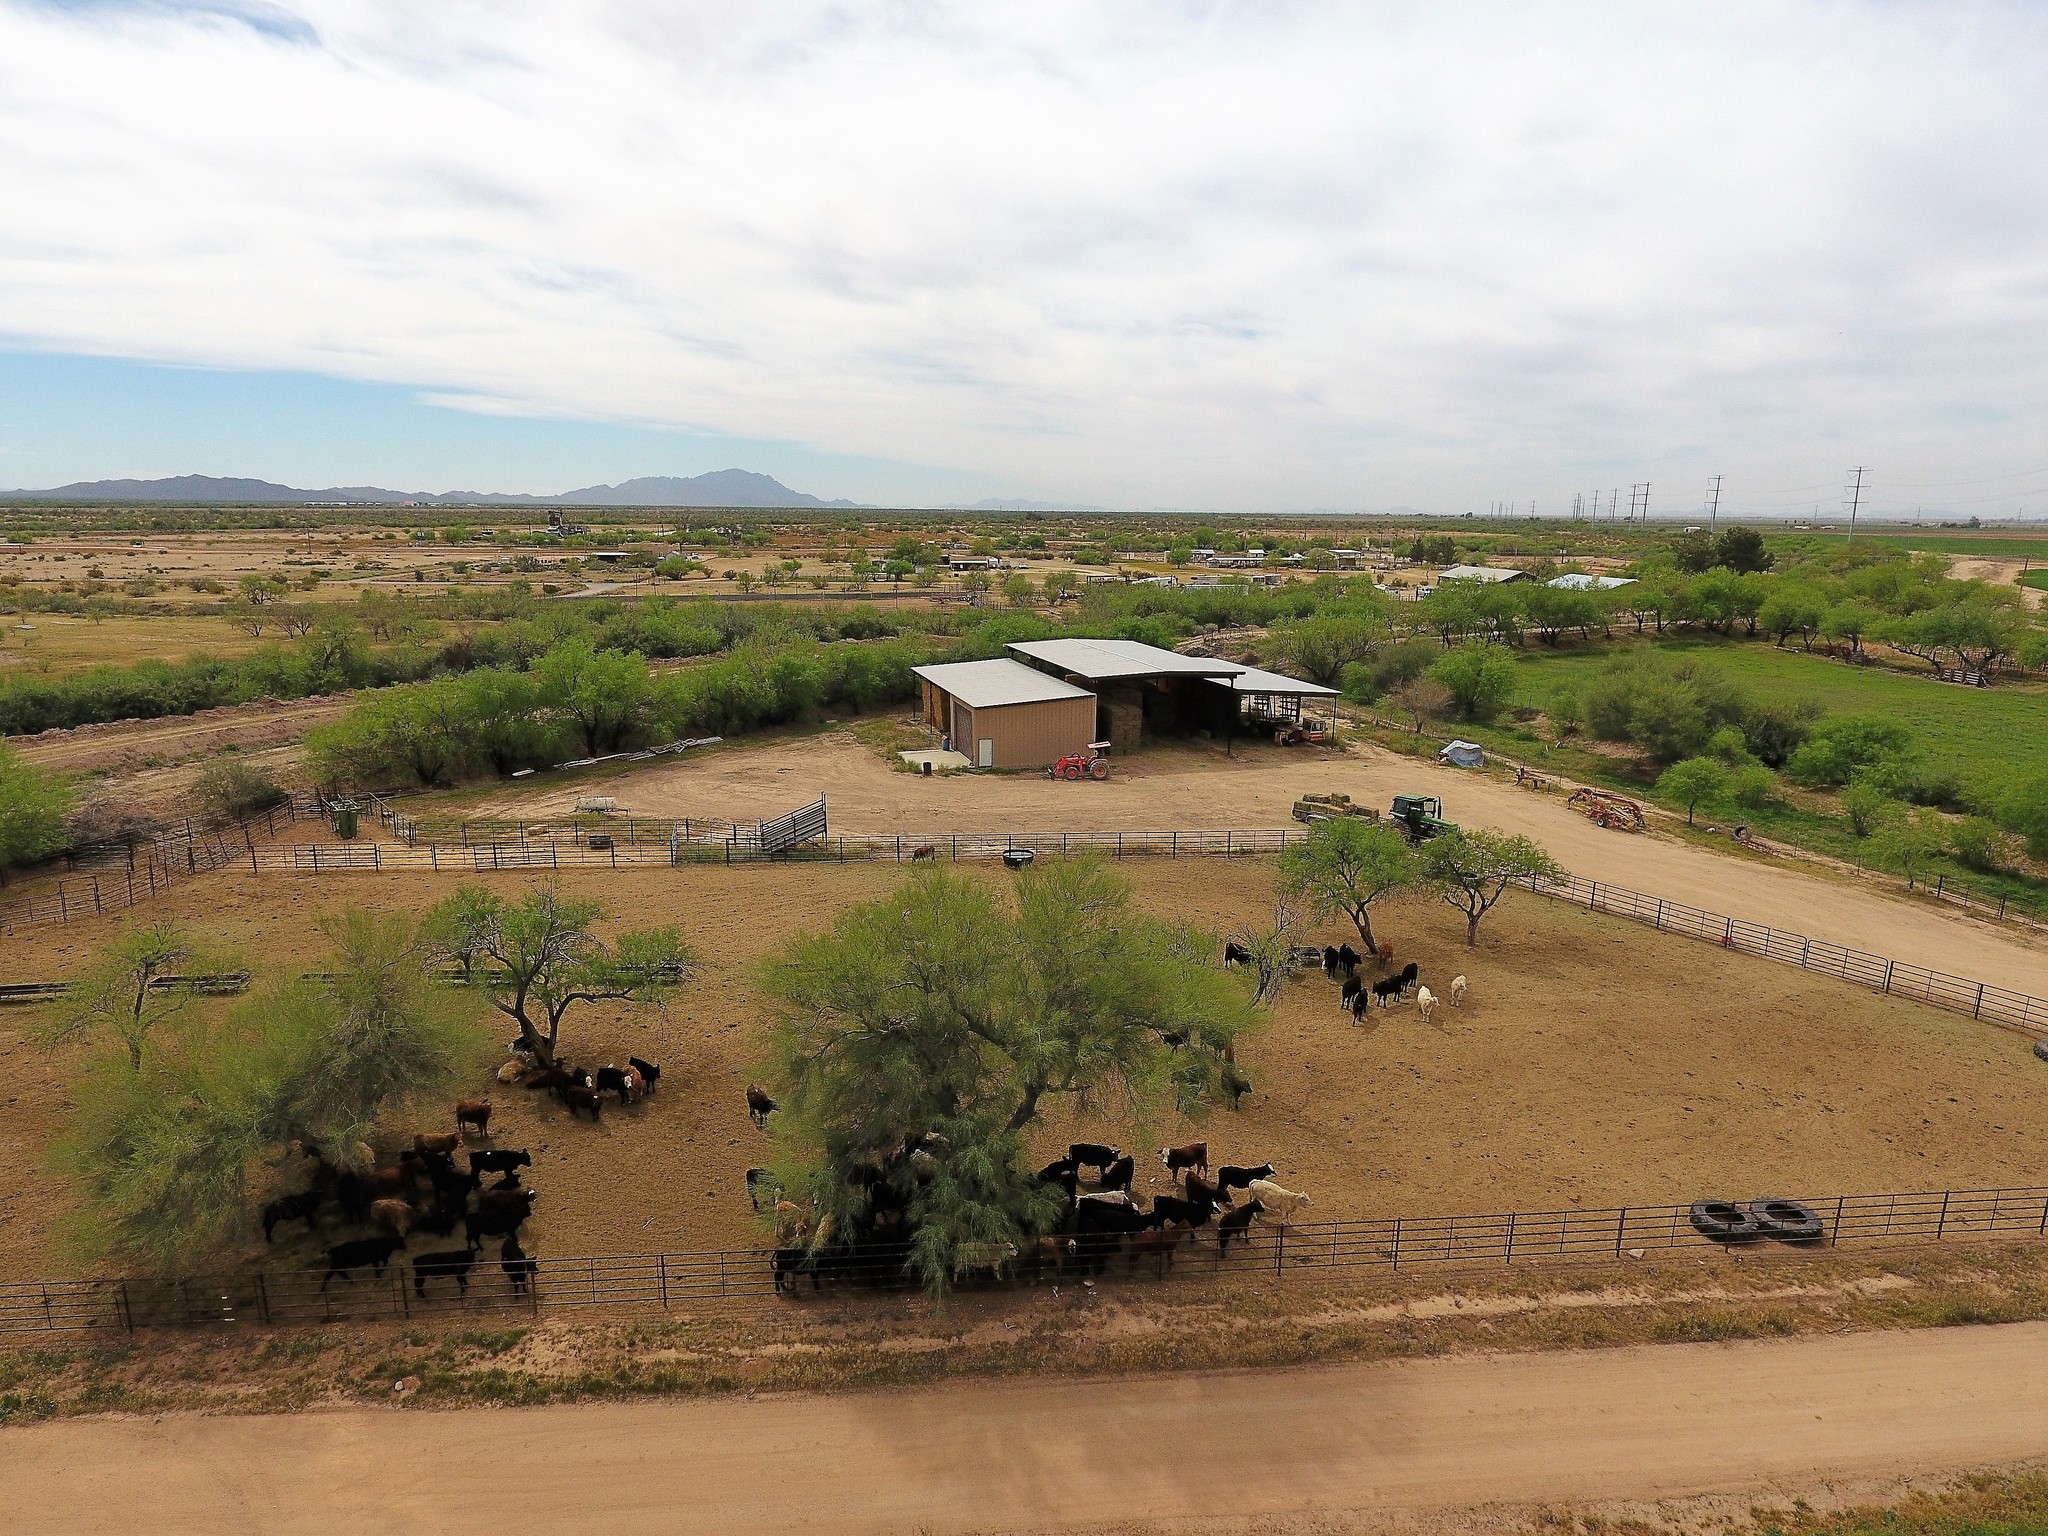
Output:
(1193, 787)
(1468, 1442)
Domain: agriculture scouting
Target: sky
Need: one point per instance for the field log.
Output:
(1259, 257)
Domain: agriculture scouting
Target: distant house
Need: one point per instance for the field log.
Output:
(973, 563)
(1483, 573)
(1579, 581)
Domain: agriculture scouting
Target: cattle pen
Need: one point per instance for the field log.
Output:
(1305, 1252)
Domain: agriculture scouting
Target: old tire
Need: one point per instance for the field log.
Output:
(2041, 1049)
(1724, 1221)
(1788, 1221)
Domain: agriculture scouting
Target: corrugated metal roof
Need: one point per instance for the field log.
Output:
(1105, 659)
(991, 684)
(1252, 680)
(1481, 573)
(1579, 581)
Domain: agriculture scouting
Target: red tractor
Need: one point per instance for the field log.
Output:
(1092, 764)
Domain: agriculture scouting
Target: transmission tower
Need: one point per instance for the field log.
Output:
(1713, 504)
(1855, 497)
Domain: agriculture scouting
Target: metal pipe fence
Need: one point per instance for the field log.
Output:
(1894, 978)
(1310, 1252)
(113, 876)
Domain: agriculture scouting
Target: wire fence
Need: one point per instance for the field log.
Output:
(422, 1284)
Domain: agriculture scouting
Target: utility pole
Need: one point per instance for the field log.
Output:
(1613, 499)
(1713, 504)
(1855, 500)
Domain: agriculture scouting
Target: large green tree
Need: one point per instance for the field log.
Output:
(537, 958)
(918, 1039)
(1480, 675)
(1346, 864)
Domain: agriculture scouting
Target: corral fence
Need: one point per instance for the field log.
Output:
(1894, 978)
(1308, 1252)
(107, 877)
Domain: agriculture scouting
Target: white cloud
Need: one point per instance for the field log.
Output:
(1214, 255)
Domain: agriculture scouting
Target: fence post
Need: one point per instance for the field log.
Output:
(1888, 977)
(1978, 1010)
(1660, 914)
(128, 1311)
(1592, 894)
(1835, 1232)
(1620, 1226)
(661, 1269)
(1397, 1244)
(1941, 1223)
(1280, 1248)
(1509, 1256)
(262, 1296)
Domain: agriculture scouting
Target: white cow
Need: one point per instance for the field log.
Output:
(1425, 1002)
(1457, 990)
(1276, 1205)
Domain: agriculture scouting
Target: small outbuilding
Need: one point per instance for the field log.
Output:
(1003, 714)
(1488, 574)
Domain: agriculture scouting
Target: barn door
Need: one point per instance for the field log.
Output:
(984, 753)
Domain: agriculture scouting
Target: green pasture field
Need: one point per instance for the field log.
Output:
(1990, 546)
(2036, 579)
(1973, 730)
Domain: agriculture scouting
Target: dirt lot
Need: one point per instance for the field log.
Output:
(1597, 1063)
(1193, 786)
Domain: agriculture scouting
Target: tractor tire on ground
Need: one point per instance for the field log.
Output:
(1098, 770)
(1070, 770)
(2041, 1049)
(1724, 1221)
(1788, 1221)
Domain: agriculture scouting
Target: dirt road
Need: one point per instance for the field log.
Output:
(1196, 788)
(1342, 1447)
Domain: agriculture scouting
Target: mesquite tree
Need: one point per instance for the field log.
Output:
(919, 1038)
(1473, 867)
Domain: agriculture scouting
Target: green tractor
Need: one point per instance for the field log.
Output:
(1421, 817)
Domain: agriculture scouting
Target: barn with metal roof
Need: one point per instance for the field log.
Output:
(1003, 714)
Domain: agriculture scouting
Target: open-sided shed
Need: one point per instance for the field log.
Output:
(1139, 687)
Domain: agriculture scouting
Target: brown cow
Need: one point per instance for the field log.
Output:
(1200, 1188)
(1159, 1244)
(576, 1096)
(444, 1142)
(925, 852)
(473, 1114)
(1194, 1155)
(398, 1215)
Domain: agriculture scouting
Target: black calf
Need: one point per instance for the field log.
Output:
(300, 1207)
(1235, 953)
(1091, 1154)
(1118, 1174)
(363, 1253)
(498, 1162)
(520, 1266)
(1230, 1176)
(453, 1263)
(650, 1074)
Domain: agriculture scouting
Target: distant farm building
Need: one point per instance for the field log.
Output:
(1579, 581)
(1483, 573)
(1056, 696)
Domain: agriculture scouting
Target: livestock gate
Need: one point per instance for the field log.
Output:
(768, 838)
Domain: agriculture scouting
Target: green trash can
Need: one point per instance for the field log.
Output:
(345, 822)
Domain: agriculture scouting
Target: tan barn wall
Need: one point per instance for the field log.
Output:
(1032, 735)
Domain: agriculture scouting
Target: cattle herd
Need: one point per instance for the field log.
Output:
(1101, 1223)
(425, 1190)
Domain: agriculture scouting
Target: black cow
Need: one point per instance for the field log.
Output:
(1410, 973)
(1167, 1208)
(650, 1074)
(1061, 1172)
(1118, 1174)
(759, 1106)
(1330, 961)
(1352, 987)
(362, 1253)
(1091, 1154)
(1385, 992)
(520, 1266)
(1235, 953)
(481, 1163)
(1230, 1176)
(1348, 959)
(454, 1263)
(613, 1080)
(1235, 1085)
(478, 1225)
(1100, 1227)
(578, 1097)
(303, 1206)
(442, 1216)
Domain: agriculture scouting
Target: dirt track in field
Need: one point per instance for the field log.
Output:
(1465, 1444)
(1193, 787)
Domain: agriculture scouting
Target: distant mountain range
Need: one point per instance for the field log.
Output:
(720, 488)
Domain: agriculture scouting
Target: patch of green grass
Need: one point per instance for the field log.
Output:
(1987, 1504)
(2035, 579)
(1977, 731)
(1990, 546)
